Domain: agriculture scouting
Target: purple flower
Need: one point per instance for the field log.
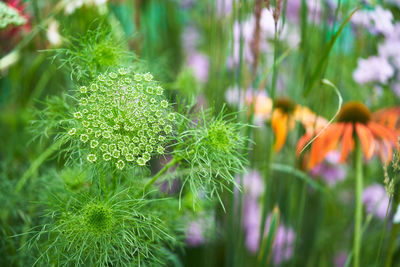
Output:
(293, 8)
(389, 49)
(251, 223)
(330, 170)
(253, 184)
(283, 244)
(190, 38)
(200, 65)
(396, 88)
(199, 230)
(282, 248)
(194, 234)
(340, 259)
(376, 200)
(373, 69)
(224, 7)
(377, 21)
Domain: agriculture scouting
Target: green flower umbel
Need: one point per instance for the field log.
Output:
(85, 230)
(98, 218)
(122, 117)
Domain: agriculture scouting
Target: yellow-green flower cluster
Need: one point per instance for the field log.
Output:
(98, 218)
(9, 15)
(122, 117)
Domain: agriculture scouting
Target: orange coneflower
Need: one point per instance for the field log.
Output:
(377, 132)
(284, 115)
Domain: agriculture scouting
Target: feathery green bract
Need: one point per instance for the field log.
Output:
(93, 53)
(9, 15)
(212, 151)
(88, 230)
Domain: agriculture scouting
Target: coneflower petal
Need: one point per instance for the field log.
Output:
(388, 117)
(347, 141)
(383, 132)
(385, 151)
(316, 148)
(367, 140)
(279, 124)
(302, 142)
(330, 140)
(326, 142)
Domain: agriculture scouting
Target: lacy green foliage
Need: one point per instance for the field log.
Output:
(9, 15)
(74, 178)
(119, 231)
(212, 152)
(52, 118)
(93, 53)
(120, 118)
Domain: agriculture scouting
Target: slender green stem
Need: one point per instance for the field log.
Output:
(161, 172)
(38, 162)
(394, 234)
(300, 217)
(383, 232)
(358, 204)
(275, 66)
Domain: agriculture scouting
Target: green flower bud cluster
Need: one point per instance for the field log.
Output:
(221, 136)
(121, 230)
(98, 218)
(9, 15)
(122, 117)
(214, 148)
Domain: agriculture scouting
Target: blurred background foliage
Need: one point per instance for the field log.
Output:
(190, 47)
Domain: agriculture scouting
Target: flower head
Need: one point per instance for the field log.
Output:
(200, 229)
(376, 200)
(93, 231)
(376, 134)
(121, 118)
(283, 246)
(212, 151)
(284, 115)
(373, 69)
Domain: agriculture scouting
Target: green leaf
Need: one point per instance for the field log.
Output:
(323, 62)
(266, 247)
(299, 174)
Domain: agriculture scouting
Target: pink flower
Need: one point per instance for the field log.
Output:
(199, 230)
(194, 234)
(377, 21)
(282, 249)
(340, 259)
(293, 9)
(200, 64)
(376, 200)
(253, 185)
(373, 69)
(224, 7)
(330, 170)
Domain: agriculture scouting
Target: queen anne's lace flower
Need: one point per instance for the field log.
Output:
(122, 117)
